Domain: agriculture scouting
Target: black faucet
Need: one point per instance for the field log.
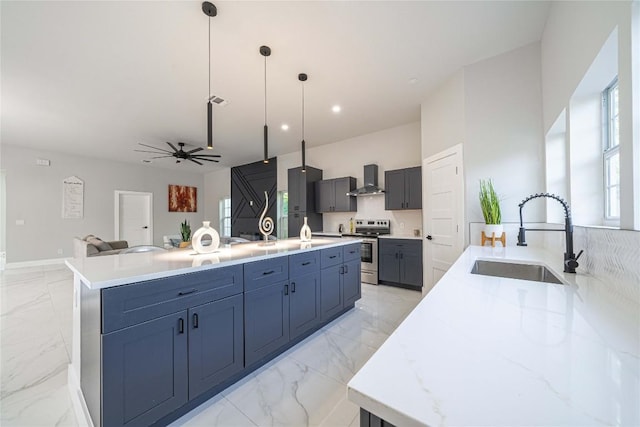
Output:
(570, 259)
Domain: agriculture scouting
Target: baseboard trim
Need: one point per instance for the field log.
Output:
(77, 399)
(37, 263)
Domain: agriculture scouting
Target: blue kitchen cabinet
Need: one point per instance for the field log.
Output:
(351, 283)
(266, 308)
(339, 279)
(304, 293)
(403, 189)
(400, 263)
(145, 371)
(266, 321)
(216, 348)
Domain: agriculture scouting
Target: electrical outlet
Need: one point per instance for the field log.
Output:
(60, 251)
(19, 221)
(402, 225)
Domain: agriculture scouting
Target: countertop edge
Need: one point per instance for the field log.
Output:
(102, 284)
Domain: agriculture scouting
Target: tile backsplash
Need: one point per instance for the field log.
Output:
(612, 256)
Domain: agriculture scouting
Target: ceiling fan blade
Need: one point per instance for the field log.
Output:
(194, 150)
(208, 155)
(195, 161)
(173, 146)
(203, 159)
(152, 152)
(155, 148)
(161, 157)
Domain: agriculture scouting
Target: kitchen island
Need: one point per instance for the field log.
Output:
(156, 334)
(481, 350)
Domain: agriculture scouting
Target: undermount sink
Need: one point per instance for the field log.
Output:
(536, 273)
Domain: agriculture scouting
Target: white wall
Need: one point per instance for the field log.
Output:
(34, 194)
(443, 116)
(393, 148)
(503, 135)
(573, 36)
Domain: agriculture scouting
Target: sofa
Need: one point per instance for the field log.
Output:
(91, 245)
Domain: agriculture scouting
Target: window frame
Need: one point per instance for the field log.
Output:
(610, 147)
(225, 220)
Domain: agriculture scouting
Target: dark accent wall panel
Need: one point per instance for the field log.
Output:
(248, 184)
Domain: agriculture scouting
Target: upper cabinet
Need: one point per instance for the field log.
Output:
(403, 189)
(331, 195)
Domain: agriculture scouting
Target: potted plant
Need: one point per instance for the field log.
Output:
(185, 232)
(490, 205)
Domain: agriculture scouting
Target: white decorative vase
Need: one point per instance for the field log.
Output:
(493, 228)
(305, 232)
(205, 230)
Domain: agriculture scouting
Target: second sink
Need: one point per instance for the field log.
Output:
(533, 272)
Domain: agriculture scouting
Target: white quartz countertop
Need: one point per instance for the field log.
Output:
(482, 350)
(113, 270)
(398, 236)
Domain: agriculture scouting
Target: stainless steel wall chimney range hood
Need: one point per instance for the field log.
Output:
(370, 183)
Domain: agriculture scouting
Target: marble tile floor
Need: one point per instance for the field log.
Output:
(305, 386)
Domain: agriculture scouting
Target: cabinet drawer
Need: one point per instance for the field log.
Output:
(138, 302)
(331, 256)
(258, 274)
(304, 263)
(351, 252)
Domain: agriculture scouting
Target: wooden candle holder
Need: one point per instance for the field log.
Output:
(493, 239)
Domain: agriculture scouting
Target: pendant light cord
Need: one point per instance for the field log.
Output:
(303, 110)
(265, 90)
(209, 94)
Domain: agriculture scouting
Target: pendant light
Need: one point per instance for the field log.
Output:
(265, 51)
(303, 78)
(210, 10)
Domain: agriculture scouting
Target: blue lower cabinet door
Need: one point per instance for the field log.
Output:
(351, 283)
(144, 371)
(304, 304)
(216, 347)
(266, 321)
(331, 291)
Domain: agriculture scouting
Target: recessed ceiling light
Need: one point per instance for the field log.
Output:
(413, 81)
(284, 127)
(336, 108)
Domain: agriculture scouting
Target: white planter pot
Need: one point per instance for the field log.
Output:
(493, 228)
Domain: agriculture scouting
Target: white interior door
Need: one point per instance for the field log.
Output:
(134, 213)
(443, 213)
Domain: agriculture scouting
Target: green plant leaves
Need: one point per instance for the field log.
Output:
(489, 203)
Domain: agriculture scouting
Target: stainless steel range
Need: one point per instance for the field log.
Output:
(369, 230)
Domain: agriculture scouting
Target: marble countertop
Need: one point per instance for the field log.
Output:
(482, 350)
(113, 270)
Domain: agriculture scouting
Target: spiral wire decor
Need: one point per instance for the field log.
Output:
(265, 225)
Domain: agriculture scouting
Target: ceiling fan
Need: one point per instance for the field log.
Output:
(180, 154)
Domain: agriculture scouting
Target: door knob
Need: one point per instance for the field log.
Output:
(429, 237)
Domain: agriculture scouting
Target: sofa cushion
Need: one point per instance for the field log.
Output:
(175, 242)
(111, 252)
(100, 244)
(92, 250)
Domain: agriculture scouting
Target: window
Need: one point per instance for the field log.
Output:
(611, 152)
(225, 216)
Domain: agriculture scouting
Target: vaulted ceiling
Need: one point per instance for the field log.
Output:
(97, 78)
